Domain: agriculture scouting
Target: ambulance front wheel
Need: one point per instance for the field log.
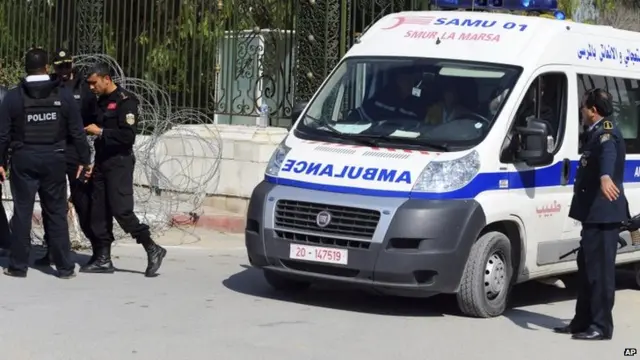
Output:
(486, 279)
(283, 283)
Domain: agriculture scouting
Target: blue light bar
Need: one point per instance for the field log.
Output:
(516, 5)
(559, 15)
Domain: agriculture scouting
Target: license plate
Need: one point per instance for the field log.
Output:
(318, 254)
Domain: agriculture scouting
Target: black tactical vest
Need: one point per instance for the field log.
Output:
(42, 118)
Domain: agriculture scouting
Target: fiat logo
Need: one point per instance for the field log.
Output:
(323, 219)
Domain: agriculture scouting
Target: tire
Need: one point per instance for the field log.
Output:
(481, 293)
(282, 283)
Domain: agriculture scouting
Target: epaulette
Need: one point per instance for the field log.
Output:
(607, 125)
(123, 96)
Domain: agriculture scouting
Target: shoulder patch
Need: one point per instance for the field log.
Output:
(130, 119)
(607, 125)
(605, 138)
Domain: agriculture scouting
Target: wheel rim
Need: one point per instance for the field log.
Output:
(495, 276)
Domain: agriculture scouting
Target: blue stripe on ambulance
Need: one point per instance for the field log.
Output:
(541, 177)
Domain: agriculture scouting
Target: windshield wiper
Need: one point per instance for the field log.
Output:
(373, 139)
(397, 139)
(341, 135)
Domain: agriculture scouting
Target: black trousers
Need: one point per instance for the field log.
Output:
(81, 200)
(39, 170)
(5, 233)
(112, 197)
(596, 276)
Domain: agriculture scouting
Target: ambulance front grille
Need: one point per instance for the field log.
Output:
(348, 222)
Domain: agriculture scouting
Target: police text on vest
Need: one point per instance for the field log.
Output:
(42, 117)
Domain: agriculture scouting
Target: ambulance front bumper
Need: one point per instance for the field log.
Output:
(406, 247)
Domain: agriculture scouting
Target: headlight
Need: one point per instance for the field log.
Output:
(450, 175)
(277, 158)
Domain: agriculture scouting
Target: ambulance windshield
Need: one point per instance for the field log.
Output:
(408, 103)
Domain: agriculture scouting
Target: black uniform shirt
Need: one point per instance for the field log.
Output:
(603, 153)
(88, 103)
(118, 118)
(12, 111)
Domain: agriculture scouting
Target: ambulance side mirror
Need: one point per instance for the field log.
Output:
(297, 110)
(535, 144)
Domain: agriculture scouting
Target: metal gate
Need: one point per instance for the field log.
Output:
(327, 29)
(225, 57)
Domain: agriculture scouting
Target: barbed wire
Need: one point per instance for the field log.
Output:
(178, 153)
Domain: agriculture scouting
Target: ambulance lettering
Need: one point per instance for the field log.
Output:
(477, 23)
(349, 172)
(465, 22)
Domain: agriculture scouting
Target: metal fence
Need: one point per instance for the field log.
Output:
(224, 57)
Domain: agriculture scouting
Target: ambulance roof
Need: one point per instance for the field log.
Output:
(500, 38)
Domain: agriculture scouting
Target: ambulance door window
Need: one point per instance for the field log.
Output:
(553, 104)
(546, 99)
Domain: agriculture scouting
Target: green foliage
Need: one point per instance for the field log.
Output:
(10, 72)
(177, 43)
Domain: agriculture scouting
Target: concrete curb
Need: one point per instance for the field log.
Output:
(223, 222)
(229, 223)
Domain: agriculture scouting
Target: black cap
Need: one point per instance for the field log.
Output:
(62, 56)
(36, 59)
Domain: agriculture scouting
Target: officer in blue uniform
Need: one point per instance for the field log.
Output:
(112, 194)
(600, 205)
(35, 119)
(80, 190)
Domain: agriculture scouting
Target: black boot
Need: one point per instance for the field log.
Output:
(155, 255)
(94, 254)
(102, 263)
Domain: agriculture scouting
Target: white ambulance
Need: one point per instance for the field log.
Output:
(403, 174)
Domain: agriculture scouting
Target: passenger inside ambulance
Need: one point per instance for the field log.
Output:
(449, 106)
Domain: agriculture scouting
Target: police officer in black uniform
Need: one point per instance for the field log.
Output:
(4, 222)
(600, 205)
(35, 119)
(87, 101)
(112, 177)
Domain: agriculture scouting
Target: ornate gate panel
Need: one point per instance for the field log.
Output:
(255, 63)
(326, 29)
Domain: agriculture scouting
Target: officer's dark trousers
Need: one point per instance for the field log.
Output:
(112, 197)
(5, 234)
(596, 276)
(39, 170)
(81, 200)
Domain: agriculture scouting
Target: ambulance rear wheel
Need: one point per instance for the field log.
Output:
(486, 279)
(283, 283)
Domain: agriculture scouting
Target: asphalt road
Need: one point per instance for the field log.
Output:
(207, 304)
